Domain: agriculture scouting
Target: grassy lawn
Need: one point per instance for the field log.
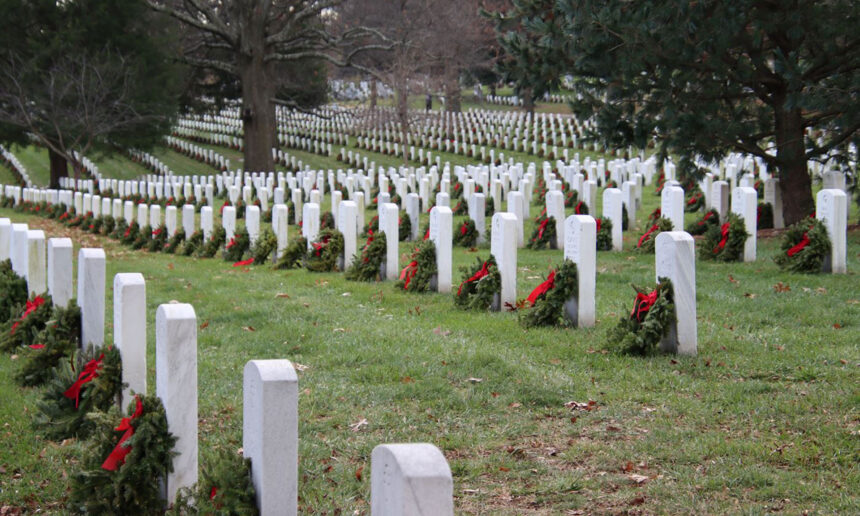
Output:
(765, 418)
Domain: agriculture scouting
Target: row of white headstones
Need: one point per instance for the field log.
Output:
(406, 479)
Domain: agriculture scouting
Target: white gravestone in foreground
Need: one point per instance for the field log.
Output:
(252, 223)
(36, 262)
(413, 209)
(745, 204)
(170, 220)
(831, 209)
(347, 212)
(441, 227)
(311, 222)
(18, 249)
(410, 480)
(515, 206)
(388, 225)
(773, 196)
(720, 199)
(270, 434)
(129, 332)
(503, 243)
(206, 221)
(613, 205)
(228, 222)
(672, 206)
(91, 296)
(477, 214)
(5, 239)
(176, 385)
(555, 209)
(280, 218)
(675, 257)
(60, 254)
(580, 247)
(188, 222)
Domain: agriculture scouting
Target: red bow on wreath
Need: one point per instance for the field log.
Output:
(408, 273)
(799, 246)
(706, 217)
(598, 225)
(90, 373)
(724, 233)
(541, 228)
(644, 237)
(475, 277)
(543, 288)
(243, 263)
(231, 243)
(117, 456)
(643, 303)
(319, 246)
(427, 234)
(30, 307)
(464, 228)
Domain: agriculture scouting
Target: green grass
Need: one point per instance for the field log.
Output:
(764, 419)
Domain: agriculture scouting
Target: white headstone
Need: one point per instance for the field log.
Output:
(555, 209)
(515, 206)
(441, 227)
(388, 214)
(228, 221)
(60, 271)
(176, 385)
(170, 220)
(5, 239)
(129, 332)
(413, 209)
(311, 222)
(188, 222)
(613, 205)
(252, 223)
(410, 480)
(672, 206)
(477, 212)
(745, 204)
(628, 196)
(91, 296)
(503, 243)
(346, 225)
(280, 218)
(831, 208)
(580, 247)
(720, 198)
(675, 256)
(773, 196)
(18, 249)
(206, 223)
(270, 434)
(36, 262)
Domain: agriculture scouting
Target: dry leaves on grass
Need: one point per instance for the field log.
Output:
(282, 295)
(781, 287)
(587, 406)
(357, 426)
(249, 328)
(439, 331)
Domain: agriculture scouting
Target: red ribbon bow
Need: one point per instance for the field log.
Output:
(117, 456)
(541, 228)
(643, 303)
(408, 273)
(231, 243)
(36, 346)
(243, 263)
(578, 208)
(543, 288)
(90, 373)
(427, 234)
(464, 228)
(156, 232)
(724, 233)
(706, 217)
(644, 237)
(30, 307)
(598, 225)
(475, 277)
(800, 245)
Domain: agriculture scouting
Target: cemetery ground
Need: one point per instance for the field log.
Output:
(539, 421)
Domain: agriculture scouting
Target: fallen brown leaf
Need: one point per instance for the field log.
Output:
(358, 473)
(361, 423)
(204, 325)
(639, 479)
(249, 328)
(281, 294)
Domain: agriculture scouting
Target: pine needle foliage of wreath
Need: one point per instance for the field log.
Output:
(134, 488)
(461, 208)
(193, 243)
(764, 215)
(540, 240)
(17, 332)
(144, 236)
(14, 290)
(733, 248)
(466, 234)
(571, 197)
(216, 240)
(327, 220)
(263, 247)
(489, 207)
(641, 337)
(60, 338)
(424, 255)
(645, 244)
(158, 240)
(225, 487)
(366, 265)
(324, 258)
(130, 234)
(710, 219)
(404, 226)
(372, 225)
(293, 254)
(548, 309)
(479, 294)
(694, 202)
(175, 241)
(236, 248)
(809, 259)
(604, 235)
(57, 416)
(108, 225)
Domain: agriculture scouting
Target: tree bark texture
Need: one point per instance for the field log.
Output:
(794, 181)
(59, 168)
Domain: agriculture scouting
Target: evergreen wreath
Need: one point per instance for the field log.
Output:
(571, 197)
(725, 243)
(216, 240)
(108, 225)
(23, 329)
(372, 225)
(144, 236)
(480, 286)
(293, 254)
(119, 229)
(366, 265)
(225, 487)
(325, 251)
(326, 221)
(652, 316)
(122, 464)
(646, 242)
(130, 234)
(236, 248)
(656, 214)
(804, 247)
(95, 225)
(461, 208)
(86, 382)
(611, 184)
(263, 247)
(404, 226)
(710, 219)
(548, 299)
(424, 234)
(173, 243)
(467, 234)
(457, 190)
(14, 289)
(193, 243)
(764, 215)
(695, 202)
(158, 240)
(416, 276)
(625, 221)
(57, 341)
(580, 209)
(490, 207)
(604, 234)
(543, 234)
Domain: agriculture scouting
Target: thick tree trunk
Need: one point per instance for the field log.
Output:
(59, 168)
(374, 93)
(258, 115)
(452, 95)
(794, 181)
(528, 101)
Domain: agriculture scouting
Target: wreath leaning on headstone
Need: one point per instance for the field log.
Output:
(543, 234)
(216, 241)
(547, 299)
(604, 234)
(461, 208)
(236, 248)
(325, 251)
(23, 328)
(124, 460)
(89, 381)
(804, 247)
(725, 243)
(367, 263)
(645, 244)
(709, 219)
(764, 215)
(193, 243)
(57, 341)
(480, 286)
(695, 202)
(416, 276)
(225, 487)
(293, 254)
(652, 316)
(144, 235)
(263, 247)
(158, 240)
(173, 243)
(466, 235)
(404, 226)
(14, 289)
